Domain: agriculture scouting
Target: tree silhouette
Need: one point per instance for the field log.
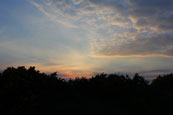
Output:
(29, 91)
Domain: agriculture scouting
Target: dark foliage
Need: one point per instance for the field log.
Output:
(27, 91)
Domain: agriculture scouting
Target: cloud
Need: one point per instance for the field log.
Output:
(81, 13)
(152, 74)
(52, 16)
(157, 70)
(152, 19)
(153, 45)
(157, 13)
(121, 27)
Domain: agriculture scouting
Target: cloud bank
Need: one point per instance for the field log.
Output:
(122, 27)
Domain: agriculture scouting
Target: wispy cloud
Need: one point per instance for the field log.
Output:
(53, 16)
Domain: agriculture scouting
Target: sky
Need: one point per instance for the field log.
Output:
(82, 37)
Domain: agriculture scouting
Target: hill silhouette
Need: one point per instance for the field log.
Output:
(27, 91)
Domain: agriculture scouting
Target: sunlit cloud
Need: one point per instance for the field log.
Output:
(123, 28)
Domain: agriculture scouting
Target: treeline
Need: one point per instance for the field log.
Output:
(28, 91)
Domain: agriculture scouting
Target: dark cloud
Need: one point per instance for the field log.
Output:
(152, 74)
(157, 13)
(157, 70)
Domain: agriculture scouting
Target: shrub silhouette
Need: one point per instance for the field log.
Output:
(28, 91)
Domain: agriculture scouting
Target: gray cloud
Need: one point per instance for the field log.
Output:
(157, 70)
(156, 45)
(157, 13)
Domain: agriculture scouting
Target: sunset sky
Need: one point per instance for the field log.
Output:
(83, 37)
